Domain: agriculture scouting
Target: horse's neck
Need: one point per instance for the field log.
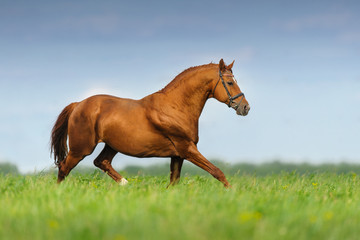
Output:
(191, 93)
(178, 106)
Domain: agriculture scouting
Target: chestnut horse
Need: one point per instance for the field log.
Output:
(163, 124)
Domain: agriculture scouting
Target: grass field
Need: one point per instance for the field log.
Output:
(279, 206)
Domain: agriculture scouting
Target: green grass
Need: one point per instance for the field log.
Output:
(279, 206)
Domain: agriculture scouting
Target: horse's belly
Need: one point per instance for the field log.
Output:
(143, 147)
(140, 142)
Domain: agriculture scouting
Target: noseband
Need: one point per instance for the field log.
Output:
(231, 99)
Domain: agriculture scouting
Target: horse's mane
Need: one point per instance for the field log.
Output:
(180, 77)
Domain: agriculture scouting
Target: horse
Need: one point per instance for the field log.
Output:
(162, 124)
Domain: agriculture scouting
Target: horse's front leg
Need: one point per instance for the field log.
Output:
(192, 154)
(175, 170)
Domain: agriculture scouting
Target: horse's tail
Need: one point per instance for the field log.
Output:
(59, 134)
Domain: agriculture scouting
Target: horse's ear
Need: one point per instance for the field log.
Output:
(229, 67)
(222, 65)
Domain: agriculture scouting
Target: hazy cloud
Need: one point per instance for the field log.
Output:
(350, 37)
(103, 24)
(322, 21)
(103, 90)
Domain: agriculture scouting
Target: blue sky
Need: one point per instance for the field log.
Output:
(296, 61)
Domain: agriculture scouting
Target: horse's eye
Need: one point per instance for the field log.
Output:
(230, 83)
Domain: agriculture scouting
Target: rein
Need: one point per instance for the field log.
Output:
(231, 99)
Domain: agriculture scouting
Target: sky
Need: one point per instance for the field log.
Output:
(298, 63)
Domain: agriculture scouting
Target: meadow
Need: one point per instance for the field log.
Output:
(92, 206)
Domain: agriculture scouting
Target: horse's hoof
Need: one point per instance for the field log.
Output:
(123, 182)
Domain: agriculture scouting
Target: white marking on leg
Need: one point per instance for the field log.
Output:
(123, 182)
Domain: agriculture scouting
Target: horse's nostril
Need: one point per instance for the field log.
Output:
(246, 107)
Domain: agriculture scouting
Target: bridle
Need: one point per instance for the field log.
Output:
(231, 99)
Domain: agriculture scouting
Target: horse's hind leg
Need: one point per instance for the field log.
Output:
(71, 160)
(175, 170)
(103, 161)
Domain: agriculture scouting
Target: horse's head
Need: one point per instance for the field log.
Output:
(226, 90)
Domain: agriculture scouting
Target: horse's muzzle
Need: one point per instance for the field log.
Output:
(242, 110)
